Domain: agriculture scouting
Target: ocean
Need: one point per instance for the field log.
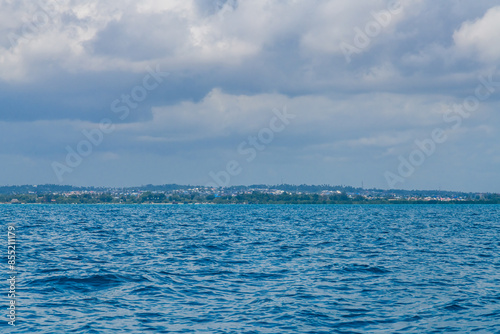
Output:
(252, 269)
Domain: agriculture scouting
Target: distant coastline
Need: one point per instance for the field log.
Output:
(256, 194)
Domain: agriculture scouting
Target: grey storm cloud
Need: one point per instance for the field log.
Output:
(364, 79)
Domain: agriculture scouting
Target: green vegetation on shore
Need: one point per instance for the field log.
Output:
(254, 197)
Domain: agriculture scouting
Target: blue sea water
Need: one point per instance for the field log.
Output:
(254, 269)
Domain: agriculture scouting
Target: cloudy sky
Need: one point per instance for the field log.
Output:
(118, 93)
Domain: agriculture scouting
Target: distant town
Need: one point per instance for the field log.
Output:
(254, 194)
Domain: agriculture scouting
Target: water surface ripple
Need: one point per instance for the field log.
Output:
(255, 269)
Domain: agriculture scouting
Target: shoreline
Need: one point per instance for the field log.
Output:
(219, 204)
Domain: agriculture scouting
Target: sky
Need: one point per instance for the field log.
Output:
(383, 94)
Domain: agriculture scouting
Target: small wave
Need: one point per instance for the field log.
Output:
(363, 268)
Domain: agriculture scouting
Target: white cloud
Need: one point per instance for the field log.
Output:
(363, 120)
(479, 38)
(79, 36)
